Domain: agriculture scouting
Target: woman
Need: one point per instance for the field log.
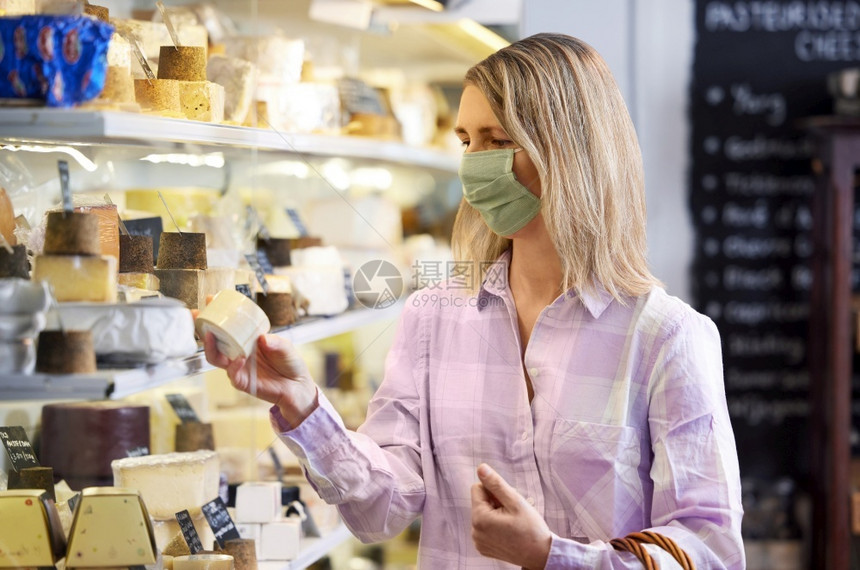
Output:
(588, 402)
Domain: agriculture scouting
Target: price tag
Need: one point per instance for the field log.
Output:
(254, 262)
(219, 520)
(139, 451)
(254, 218)
(189, 533)
(297, 222)
(265, 264)
(18, 446)
(244, 289)
(73, 502)
(65, 187)
(182, 408)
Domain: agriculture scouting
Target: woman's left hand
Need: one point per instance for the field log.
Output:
(504, 525)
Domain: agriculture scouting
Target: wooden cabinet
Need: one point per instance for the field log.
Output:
(830, 338)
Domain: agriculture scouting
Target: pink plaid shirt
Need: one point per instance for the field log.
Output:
(628, 429)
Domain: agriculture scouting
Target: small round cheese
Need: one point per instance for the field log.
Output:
(235, 320)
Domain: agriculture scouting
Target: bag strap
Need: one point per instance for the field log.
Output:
(634, 543)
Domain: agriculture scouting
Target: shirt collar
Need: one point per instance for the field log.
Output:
(495, 283)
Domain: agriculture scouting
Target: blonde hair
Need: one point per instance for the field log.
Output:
(556, 98)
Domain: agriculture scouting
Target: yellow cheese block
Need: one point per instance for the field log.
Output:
(202, 100)
(30, 530)
(78, 277)
(139, 280)
(111, 528)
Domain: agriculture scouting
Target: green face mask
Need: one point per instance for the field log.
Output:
(490, 186)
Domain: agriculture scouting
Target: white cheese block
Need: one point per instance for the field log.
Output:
(218, 279)
(322, 286)
(111, 528)
(258, 501)
(251, 531)
(30, 530)
(235, 320)
(280, 540)
(203, 562)
(239, 78)
(78, 277)
(202, 100)
(119, 52)
(170, 482)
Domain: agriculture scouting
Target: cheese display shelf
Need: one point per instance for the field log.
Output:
(120, 383)
(51, 126)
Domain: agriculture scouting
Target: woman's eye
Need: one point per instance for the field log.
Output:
(464, 144)
(500, 143)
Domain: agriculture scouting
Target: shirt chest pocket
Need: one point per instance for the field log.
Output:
(595, 469)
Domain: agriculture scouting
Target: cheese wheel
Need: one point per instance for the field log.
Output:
(72, 233)
(279, 308)
(243, 551)
(157, 95)
(170, 482)
(135, 254)
(110, 430)
(185, 63)
(235, 320)
(186, 250)
(65, 352)
(14, 264)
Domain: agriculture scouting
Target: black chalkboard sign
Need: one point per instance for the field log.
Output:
(18, 447)
(189, 533)
(182, 407)
(756, 73)
(254, 261)
(219, 520)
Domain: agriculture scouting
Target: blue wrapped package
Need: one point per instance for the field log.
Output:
(61, 59)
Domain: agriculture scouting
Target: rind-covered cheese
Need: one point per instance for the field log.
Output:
(187, 285)
(236, 322)
(157, 94)
(78, 277)
(184, 63)
(111, 528)
(170, 482)
(31, 534)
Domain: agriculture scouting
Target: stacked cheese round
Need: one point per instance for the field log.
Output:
(235, 320)
(65, 352)
(81, 439)
(184, 63)
(72, 262)
(181, 267)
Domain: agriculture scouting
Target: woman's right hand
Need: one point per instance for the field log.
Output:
(282, 376)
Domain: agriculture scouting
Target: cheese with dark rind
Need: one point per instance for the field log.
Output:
(72, 233)
(80, 439)
(279, 308)
(14, 264)
(65, 352)
(186, 250)
(185, 63)
(135, 254)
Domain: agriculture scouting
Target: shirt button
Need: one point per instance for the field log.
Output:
(531, 501)
(533, 372)
(525, 435)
